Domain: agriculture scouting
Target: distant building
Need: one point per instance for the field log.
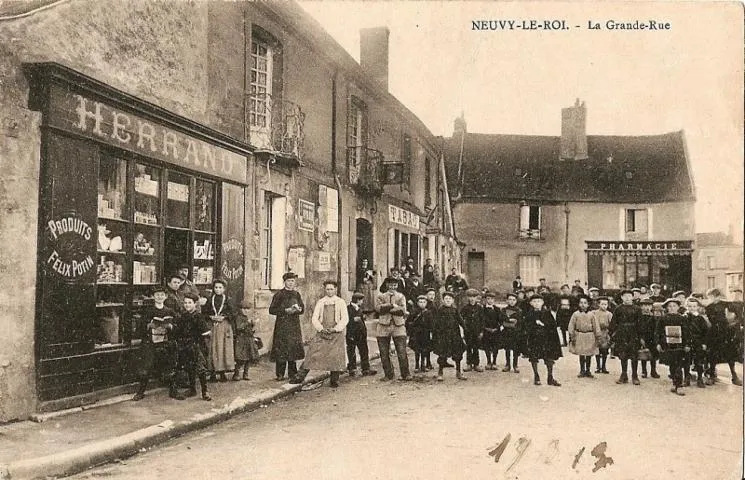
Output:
(607, 210)
(718, 262)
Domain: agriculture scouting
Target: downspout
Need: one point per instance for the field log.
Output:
(566, 242)
(339, 216)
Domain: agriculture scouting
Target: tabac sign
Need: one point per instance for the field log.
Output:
(99, 121)
(640, 246)
(403, 217)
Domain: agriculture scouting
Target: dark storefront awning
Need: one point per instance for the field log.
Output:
(645, 248)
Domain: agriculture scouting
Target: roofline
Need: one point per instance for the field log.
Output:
(688, 164)
(308, 27)
(559, 201)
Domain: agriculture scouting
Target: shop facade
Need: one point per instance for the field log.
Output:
(129, 193)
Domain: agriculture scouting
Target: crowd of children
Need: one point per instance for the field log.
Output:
(207, 338)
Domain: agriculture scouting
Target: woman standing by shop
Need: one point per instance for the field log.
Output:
(287, 343)
(327, 349)
(221, 311)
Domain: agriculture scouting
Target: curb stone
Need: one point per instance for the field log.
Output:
(82, 458)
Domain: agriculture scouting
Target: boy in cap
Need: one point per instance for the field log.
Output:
(511, 340)
(541, 339)
(698, 325)
(656, 296)
(564, 313)
(673, 339)
(357, 337)
(681, 297)
(391, 309)
(603, 318)
(648, 324)
(473, 329)
(191, 332)
(448, 342)
(158, 350)
(637, 295)
(493, 320)
(625, 335)
(420, 328)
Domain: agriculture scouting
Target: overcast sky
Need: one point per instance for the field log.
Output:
(633, 82)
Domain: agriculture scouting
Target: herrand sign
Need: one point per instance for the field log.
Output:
(99, 121)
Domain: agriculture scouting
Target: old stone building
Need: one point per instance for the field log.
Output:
(605, 210)
(718, 262)
(236, 138)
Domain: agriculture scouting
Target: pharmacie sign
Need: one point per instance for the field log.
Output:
(639, 246)
(70, 249)
(102, 122)
(403, 217)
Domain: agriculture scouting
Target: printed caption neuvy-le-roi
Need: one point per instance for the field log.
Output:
(562, 24)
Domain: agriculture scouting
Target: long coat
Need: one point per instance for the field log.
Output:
(473, 323)
(541, 341)
(287, 343)
(584, 332)
(626, 331)
(493, 320)
(511, 334)
(447, 340)
(672, 346)
(724, 338)
(603, 318)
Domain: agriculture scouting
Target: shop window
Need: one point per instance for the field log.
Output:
(636, 221)
(530, 221)
(177, 204)
(272, 241)
(529, 267)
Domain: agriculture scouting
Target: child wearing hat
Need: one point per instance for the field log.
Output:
(473, 330)
(420, 327)
(698, 325)
(357, 337)
(603, 318)
(158, 349)
(541, 339)
(191, 333)
(626, 336)
(245, 344)
(493, 319)
(448, 342)
(648, 324)
(673, 338)
(510, 340)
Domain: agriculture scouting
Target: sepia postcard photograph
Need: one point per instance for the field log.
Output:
(367, 240)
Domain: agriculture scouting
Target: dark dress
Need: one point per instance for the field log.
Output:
(510, 338)
(245, 346)
(563, 315)
(647, 325)
(541, 342)
(673, 346)
(699, 329)
(493, 320)
(446, 334)
(192, 343)
(725, 337)
(287, 343)
(473, 324)
(626, 332)
(420, 328)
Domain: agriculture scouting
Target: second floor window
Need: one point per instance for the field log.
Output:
(636, 220)
(261, 83)
(530, 221)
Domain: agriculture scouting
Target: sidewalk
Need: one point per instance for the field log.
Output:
(118, 428)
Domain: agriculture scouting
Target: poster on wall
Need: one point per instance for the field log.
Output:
(306, 215)
(324, 262)
(296, 261)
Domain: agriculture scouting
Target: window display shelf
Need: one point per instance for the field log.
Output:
(112, 252)
(156, 225)
(115, 219)
(102, 346)
(109, 304)
(209, 232)
(147, 284)
(112, 283)
(145, 254)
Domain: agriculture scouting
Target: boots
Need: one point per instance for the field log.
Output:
(299, 377)
(140, 390)
(653, 370)
(439, 373)
(624, 378)
(700, 382)
(245, 372)
(334, 379)
(236, 373)
(203, 383)
(173, 390)
(736, 380)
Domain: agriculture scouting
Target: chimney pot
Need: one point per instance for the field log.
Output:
(573, 144)
(374, 53)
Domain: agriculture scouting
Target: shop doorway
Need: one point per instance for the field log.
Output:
(364, 248)
(176, 251)
(675, 274)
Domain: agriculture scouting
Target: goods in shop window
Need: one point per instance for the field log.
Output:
(106, 243)
(142, 245)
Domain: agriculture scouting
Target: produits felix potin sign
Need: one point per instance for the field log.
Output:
(70, 241)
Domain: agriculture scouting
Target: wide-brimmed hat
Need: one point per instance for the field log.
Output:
(448, 294)
(679, 292)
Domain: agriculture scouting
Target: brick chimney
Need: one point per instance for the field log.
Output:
(573, 132)
(374, 53)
